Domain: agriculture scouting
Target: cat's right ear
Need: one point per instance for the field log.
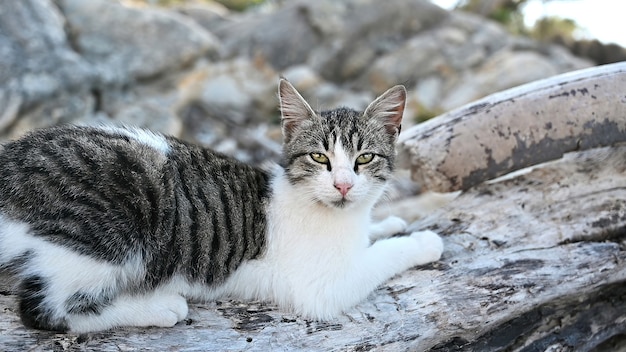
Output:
(389, 107)
(293, 108)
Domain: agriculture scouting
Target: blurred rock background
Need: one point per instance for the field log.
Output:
(206, 73)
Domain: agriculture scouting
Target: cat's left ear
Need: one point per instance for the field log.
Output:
(389, 108)
(293, 108)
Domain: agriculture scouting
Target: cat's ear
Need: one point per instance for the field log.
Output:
(293, 108)
(389, 108)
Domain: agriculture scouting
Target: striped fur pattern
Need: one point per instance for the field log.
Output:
(124, 196)
(108, 226)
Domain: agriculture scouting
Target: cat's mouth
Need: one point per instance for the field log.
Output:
(342, 203)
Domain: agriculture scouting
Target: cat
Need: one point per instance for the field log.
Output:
(108, 227)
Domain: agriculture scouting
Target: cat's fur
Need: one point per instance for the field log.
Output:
(108, 226)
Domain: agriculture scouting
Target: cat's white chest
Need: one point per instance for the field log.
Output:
(310, 251)
(322, 249)
(312, 234)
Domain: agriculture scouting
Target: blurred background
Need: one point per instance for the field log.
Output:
(207, 71)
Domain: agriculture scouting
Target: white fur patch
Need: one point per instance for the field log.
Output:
(12, 239)
(149, 138)
(387, 228)
(152, 309)
(71, 270)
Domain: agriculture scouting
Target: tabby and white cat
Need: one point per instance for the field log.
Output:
(108, 227)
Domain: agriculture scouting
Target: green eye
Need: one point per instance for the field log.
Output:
(364, 158)
(319, 157)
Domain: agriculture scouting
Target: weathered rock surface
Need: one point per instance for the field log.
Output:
(517, 128)
(39, 69)
(128, 44)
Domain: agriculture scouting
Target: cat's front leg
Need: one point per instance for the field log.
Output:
(430, 244)
(157, 308)
(394, 255)
(386, 228)
(342, 287)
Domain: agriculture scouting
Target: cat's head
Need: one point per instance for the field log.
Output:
(340, 158)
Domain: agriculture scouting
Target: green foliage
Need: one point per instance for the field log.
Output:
(551, 28)
(236, 5)
(424, 114)
(509, 13)
(513, 20)
(240, 5)
(506, 12)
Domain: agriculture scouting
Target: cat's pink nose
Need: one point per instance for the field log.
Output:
(343, 188)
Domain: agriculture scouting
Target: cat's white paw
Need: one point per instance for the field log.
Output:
(156, 309)
(430, 244)
(168, 310)
(394, 225)
(387, 227)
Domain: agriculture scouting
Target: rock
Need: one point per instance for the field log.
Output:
(236, 91)
(282, 38)
(126, 44)
(428, 92)
(485, 34)
(504, 70)
(75, 108)
(420, 56)
(463, 59)
(359, 31)
(517, 128)
(155, 113)
(565, 61)
(10, 102)
(458, 44)
(595, 50)
(507, 69)
(38, 62)
(303, 77)
(210, 15)
(227, 106)
(326, 95)
(338, 39)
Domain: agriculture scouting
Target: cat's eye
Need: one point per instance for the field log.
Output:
(319, 157)
(364, 158)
